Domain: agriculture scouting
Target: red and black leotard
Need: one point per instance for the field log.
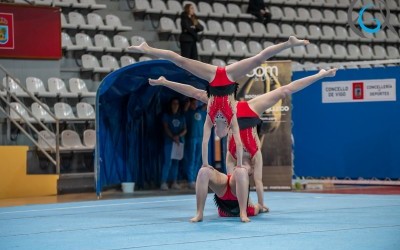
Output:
(247, 120)
(221, 88)
(228, 205)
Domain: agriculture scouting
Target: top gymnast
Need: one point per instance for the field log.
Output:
(221, 106)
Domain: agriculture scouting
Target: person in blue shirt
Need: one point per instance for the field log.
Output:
(174, 124)
(195, 117)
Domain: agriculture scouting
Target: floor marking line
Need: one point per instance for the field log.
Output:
(257, 236)
(92, 206)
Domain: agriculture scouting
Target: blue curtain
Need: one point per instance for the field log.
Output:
(128, 122)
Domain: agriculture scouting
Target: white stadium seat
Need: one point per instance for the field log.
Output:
(85, 41)
(57, 86)
(14, 87)
(90, 63)
(114, 21)
(47, 140)
(85, 110)
(67, 44)
(78, 86)
(103, 41)
(36, 86)
(71, 140)
(109, 62)
(39, 112)
(63, 111)
(127, 60)
(89, 138)
(77, 19)
(96, 20)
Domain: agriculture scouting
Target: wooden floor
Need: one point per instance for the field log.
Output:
(117, 194)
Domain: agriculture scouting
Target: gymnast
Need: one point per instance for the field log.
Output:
(248, 117)
(221, 106)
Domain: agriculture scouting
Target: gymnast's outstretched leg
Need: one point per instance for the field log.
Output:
(203, 70)
(267, 100)
(183, 89)
(238, 69)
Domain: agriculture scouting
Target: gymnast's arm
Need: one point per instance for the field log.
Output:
(206, 137)
(183, 89)
(257, 175)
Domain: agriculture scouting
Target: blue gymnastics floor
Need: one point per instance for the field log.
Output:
(296, 221)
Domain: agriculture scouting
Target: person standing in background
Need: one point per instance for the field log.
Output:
(258, 9)
(195, 117)
(190, 27)
(174, 130)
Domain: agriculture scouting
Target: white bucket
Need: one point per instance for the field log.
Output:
(128, 187)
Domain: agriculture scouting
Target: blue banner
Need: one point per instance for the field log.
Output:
(348, 138)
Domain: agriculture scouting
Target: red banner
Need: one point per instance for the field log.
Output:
(6, 31)
(30, 32)
(358, 90)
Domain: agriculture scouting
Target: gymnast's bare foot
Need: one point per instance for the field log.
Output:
(143, 47)
(328, 73)
(244, 218)
(293, 41)
(197, 218)
(156, 82)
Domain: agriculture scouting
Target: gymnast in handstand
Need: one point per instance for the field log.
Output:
(235, 184)
(221, 104)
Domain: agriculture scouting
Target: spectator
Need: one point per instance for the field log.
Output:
(259, 10)
(190, 27)
(195, 117)
(175, 128)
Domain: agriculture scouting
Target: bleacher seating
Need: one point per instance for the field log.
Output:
(79, 87)
(18, 112)
(63, 111)
(36, 87)
(47, 139)
(40, 113)
(71, 140)
(57, 86)
(90, 63)
(14, 87)
(85, 111)
(127, 60)
(97, 43)
(89, 138)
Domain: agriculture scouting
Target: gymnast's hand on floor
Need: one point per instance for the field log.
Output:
(156, 82)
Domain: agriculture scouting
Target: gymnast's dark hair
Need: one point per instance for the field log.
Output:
(229, 207)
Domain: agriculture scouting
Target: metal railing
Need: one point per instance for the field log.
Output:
(7, 100)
